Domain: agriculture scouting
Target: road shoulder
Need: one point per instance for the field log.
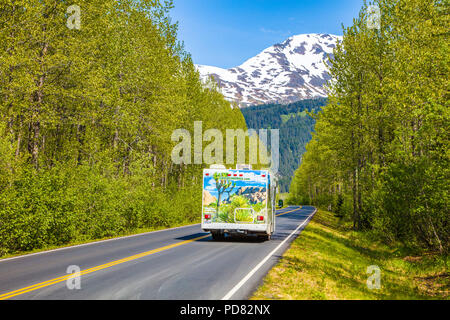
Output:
(329, 261)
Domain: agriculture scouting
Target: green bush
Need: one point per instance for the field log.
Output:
(59, 206)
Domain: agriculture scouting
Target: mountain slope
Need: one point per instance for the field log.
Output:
(284, 73)
(295, 131)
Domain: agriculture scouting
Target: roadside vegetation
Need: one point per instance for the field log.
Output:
(380, 151)
(86, 119)
(329, 261)
(379, 161)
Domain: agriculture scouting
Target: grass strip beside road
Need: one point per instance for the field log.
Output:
(329, 261)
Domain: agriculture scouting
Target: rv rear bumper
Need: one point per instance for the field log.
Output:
(235, 227)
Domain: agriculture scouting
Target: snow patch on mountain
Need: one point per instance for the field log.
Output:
(294, 70)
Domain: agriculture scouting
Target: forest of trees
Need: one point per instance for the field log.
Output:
(380, 151)
(86, 118)
(295, 127)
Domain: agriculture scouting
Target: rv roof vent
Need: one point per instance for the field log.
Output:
(217, 166)
(244, 167)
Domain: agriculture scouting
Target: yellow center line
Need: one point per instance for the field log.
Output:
(282, 214)
(104, 266)
(97, 268)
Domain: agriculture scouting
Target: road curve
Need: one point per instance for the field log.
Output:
(175, 264)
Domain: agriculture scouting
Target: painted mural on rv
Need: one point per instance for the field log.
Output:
(235, 199)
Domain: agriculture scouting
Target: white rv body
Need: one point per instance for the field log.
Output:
(238, 202)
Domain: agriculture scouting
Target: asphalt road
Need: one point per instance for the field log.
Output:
(176, 264)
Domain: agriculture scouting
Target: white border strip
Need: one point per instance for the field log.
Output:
(95, 242)
(252, 272)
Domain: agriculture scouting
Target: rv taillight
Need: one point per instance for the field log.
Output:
(207, 216)
(260, 218)
(207, 174)
(235, 175)
(241, 175)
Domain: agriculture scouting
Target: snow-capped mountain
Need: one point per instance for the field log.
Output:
(287, 72)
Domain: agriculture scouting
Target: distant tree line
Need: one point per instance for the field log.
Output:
(295, 125)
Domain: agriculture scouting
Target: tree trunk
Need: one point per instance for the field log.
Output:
(355, 200)
(35, 123)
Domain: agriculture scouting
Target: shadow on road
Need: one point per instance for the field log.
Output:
(194, 236)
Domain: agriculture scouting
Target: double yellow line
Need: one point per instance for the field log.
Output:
(282, 214)
(87, 271)
(104, 266)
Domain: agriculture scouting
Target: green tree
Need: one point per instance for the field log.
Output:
(381, 143)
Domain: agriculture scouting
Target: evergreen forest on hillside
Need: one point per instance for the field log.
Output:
(295, 125)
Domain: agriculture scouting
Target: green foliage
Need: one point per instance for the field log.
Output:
(55, 207)
(86, 118)
(295, 126)
(330, 261)
(226, 212)
(414, 202)
(244, 216)
(380, 152)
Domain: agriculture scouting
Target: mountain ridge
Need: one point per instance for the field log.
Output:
(287, 72)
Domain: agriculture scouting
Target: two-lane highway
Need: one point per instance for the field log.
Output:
(175, 264)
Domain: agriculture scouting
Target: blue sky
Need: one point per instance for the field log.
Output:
(225, 33)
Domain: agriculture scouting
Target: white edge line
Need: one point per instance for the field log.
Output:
(252, 272)
(95, 242)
